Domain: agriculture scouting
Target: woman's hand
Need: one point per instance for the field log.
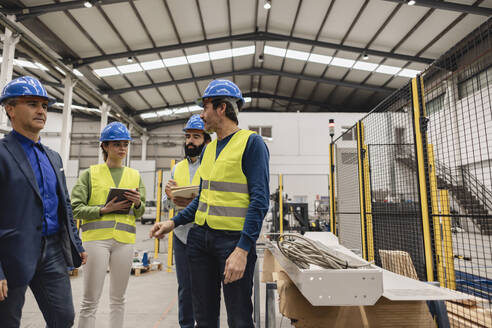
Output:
(113, 206)
(134, 197)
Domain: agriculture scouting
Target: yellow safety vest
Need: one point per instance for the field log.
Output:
(182, 174)
(224, 198)
(120, 227)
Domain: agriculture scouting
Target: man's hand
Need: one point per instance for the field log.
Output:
(134, 197)
(235, 265)
(181, 201)
(3, 290)
(83, 256)
(113, 206)
(171, 183)
(161, 228)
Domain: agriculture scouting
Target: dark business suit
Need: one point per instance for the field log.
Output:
(26, 257)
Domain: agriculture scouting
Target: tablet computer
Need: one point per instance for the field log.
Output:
(119, 193)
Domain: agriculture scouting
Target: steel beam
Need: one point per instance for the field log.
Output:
(255, 36)
(104, 121)
(259, 95)
(36, 51)
(252, 71)
(451, 6)
(67, 120)
(9, 42)
(34, 11)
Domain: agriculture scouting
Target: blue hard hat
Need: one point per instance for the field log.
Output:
(115, 131)
(194, 123)
(222, 88)
(25, 86)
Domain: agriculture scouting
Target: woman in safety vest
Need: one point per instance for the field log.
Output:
(107, 235)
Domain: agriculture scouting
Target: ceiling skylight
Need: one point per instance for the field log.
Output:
(150, 65)
(175, 61)
(365, 66)
(392, 70)
(274, 51)
(132, 68)
(320, 59)
(299, 55)
(406, 72)
(198, 58)
(342, 62)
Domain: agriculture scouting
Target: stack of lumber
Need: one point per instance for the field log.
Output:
(469, 313)
(398, 262)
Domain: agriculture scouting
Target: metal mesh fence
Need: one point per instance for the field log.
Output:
(419, 200)
(458, 91)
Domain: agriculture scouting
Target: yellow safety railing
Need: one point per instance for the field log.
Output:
(170, 236)
(333, 223)
(435, 217)
(158, 211)
(281, 203)
(360, 162)
(417, 95)
(448, 240)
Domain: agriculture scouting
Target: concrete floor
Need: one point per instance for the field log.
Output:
(151, 297)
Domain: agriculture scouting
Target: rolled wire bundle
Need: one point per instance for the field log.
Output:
(303, 252)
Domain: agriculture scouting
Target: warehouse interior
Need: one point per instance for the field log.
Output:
(376, 113)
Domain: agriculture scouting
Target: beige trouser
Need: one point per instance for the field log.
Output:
(119, 257)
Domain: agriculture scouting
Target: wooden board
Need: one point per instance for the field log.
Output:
(398, 262)
(385, 313)
(474, 315)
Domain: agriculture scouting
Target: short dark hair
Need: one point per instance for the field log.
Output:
(229, 112)
(9, 101)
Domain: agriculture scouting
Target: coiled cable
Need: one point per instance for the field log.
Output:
(303, 252)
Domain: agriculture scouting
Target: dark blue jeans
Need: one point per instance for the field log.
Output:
(50, 286)
(185, 305)
(208, 250)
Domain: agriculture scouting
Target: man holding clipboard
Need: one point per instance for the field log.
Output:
(183, 175)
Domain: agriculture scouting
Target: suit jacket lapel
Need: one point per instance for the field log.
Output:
(15, 148)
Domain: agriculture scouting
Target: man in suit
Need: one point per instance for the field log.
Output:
(38, 237)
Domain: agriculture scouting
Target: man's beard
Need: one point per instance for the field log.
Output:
(193, 151)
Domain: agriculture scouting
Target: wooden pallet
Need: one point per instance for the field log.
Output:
(151, 267)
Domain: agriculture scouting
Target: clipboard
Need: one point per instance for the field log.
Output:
(185, 192)
(119, 193)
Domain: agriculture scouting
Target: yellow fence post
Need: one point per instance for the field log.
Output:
(281, 203)
(367, 235)
(419, 143)
(360, 162)
(158, 211)
(333, 222)
(448, 240)
(368, 205)
(170, 236)
(436, 222)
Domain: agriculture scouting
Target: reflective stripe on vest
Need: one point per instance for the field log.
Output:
(120, 227)
(225, 186)
(224, 198)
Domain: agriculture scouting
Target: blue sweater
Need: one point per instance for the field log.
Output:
(255, 163)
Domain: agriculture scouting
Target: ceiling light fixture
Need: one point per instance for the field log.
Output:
(411, 2)
(268, 4)
(130, 60)
(261, 58)
(365, 56)
(87, 4)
